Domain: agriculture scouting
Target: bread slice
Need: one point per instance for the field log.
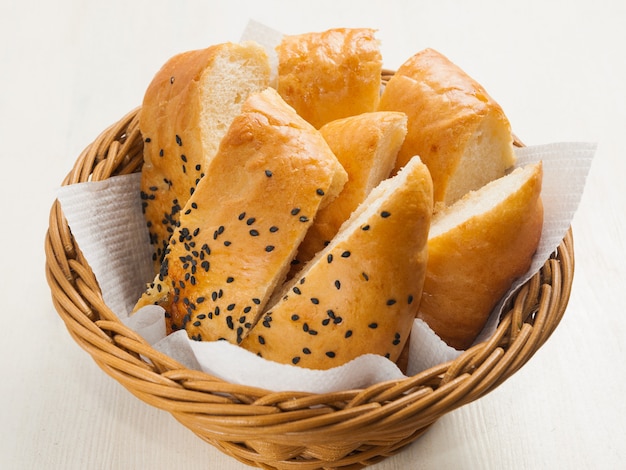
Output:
(476, 249)
(186, 110)
(361, 293)
(330, 75)
(457, 129)
(241, 227)
(366, 145)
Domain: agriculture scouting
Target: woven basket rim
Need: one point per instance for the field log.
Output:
(351, 428)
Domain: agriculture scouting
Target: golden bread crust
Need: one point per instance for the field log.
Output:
(177, 146)
(366, 145)
(472, 265)
(359, 295)
(236, 238)
(445, 108)
(330, 75)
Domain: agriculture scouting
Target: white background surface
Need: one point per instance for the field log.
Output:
(68, 69)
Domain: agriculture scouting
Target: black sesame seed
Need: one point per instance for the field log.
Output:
(295, 360)
(247, 309)
(229, 322)
(227, 243)
(256, 301)
(242, 216)
(306, 350)
(337, 284)
(268, 173)
(148, 140)
(391, 301)
(214, 296)
(197, 323)
(330, 354)
(273, 229)
(325, 321)
(295, 211)
(410, 300)
(295, 317)
(385, 214)
(200, 300)
(345, 254)
(304, 218)
(229, 279)
(315, 300)
(305, 327)
(250, 221)
(365, 227)
(269, 248)
(373, 325)
(261, 339)
(319, 191)
(313, 332)
(183, 157)
(179, 141)
(296, 290)
(198, 167)
(365, 276)
(205, 265)
(329, 258)
(230, 307)
(348, 334)
(254, 233)
(161, 152)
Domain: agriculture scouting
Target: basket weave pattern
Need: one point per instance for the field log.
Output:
(349, 429)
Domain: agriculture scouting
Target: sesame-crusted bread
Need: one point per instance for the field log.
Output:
(241, 227)
(476, 249)
(456, 128)
(186, 110)
(330, 75)
(361, 293)
(366, 145)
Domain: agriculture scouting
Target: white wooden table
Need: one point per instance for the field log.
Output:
(71, 68)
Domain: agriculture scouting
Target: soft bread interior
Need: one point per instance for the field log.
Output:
(225, 86)
(487, 156)
(480, 201)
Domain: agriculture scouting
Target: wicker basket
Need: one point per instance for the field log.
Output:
(349, 429)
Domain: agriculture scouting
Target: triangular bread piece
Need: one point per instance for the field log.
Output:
(186, 111)
(476, 249)
(360, 294)
(456, 128)
(242, 226)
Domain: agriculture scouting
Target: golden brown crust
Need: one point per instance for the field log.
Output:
(330, 75)
(240, 229)
(471, 266)
(445, 108)
(366, 145)
(360, 295)
(177, 145)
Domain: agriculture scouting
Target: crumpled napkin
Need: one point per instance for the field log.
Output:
(108, 225)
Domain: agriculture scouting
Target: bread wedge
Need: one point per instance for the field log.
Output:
(330, 75)
(241, 227)
(366, 145)
(476, 249)
(456, 128)
(186, 111)
(361, 293)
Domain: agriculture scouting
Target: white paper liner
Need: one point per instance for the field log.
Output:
(107, 223)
